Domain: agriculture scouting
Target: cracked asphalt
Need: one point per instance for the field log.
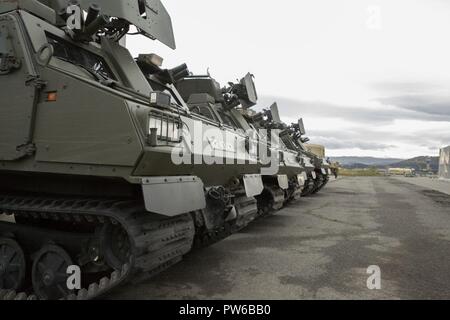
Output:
(320, 248)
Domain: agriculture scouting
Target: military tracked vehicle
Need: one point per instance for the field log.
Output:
(321, 175)
(231, 107)
(311, 156)
(270, 119)
(103, 166)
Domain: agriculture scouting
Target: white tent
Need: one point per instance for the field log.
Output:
(444, 164)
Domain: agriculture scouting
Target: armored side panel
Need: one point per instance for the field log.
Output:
(36, 7)
(17, 79)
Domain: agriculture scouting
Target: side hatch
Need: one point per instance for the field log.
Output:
(18, 91)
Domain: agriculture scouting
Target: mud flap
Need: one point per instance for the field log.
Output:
(253, 185)
(283, 182)
(172, 196)
(302, 179)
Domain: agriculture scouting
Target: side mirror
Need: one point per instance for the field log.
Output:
(301, 127)
(45, 54)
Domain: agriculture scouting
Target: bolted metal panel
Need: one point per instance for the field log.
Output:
(253, 185)
(283, 181)
(16, 110)
(302, 178)
(34, 6)
(172, 196)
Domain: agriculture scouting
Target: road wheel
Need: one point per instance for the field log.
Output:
(12, 265)
(116, 246)
(49, 273)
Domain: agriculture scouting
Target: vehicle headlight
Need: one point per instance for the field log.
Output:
(167, 127)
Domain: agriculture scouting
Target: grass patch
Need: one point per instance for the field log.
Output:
(371, 172)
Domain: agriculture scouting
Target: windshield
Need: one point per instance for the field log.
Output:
(66, 51)
(227, 119)
(288, 142)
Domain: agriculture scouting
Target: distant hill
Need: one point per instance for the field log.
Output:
(361, 162)
(357, 166)
(418, 163)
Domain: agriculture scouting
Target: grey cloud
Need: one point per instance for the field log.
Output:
(344, 134)
(405, 87)
(298, 108)
(400, 101)
(421, 138)
(333, 143)
(374, 140)
(428, 100)
(426, 104)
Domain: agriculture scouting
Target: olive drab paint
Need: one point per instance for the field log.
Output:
(88, 135)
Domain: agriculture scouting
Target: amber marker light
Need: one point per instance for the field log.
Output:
(52, 96)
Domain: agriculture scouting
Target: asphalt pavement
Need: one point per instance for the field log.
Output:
(429, 183)
(321, 248)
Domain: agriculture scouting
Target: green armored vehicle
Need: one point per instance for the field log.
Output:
(231, 106)
(103, 166)
(312, 157)
(323, 167)
(290, 140)
(310, 180)
(320, 177)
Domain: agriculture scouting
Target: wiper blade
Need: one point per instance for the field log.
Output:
(97, 75)
(101, 78)
(93, 72)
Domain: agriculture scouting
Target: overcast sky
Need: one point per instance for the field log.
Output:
(370, 78)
